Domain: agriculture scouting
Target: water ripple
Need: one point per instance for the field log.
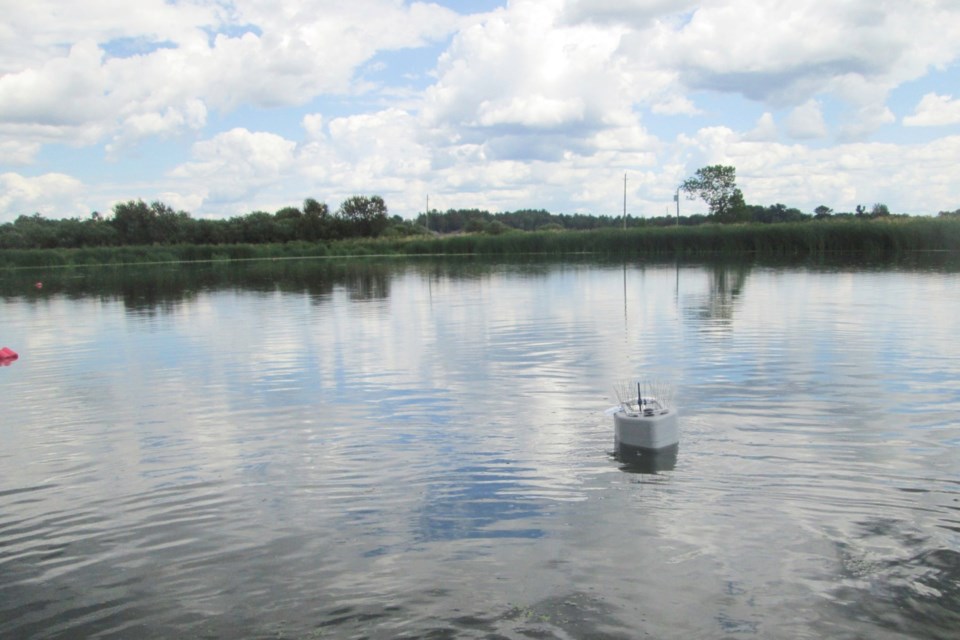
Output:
(423, 452)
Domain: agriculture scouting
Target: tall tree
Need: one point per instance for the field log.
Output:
(136, 222)
(364, 216)
(316, 223)
(717, 186)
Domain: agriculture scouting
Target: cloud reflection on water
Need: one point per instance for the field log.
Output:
(234, 439)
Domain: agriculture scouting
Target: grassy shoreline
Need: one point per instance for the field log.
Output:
(870, 238)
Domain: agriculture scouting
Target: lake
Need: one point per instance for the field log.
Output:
(418, 448)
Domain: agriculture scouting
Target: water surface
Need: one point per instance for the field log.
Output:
(418, 449)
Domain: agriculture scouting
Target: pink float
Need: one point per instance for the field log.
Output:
(7, 355)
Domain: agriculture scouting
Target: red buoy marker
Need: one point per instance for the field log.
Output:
(7, 356)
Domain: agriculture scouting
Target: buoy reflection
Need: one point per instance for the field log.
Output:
(636, 460)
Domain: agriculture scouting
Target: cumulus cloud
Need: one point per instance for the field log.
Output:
(636, 13)
(542, 103)
(192, 115)
(313, 124)
(531, 111)
(764, 131)
(160, 70)
(235, 164)
(18, 153)
(385, 149)
(806, 121)
(51, 194)
(64, 91)
(571, 92)
(560, 76)
(934, 110)
(574, 62)
(674, 104)
(867, 120)
(41, 29)
(784, 52)
(917, 175)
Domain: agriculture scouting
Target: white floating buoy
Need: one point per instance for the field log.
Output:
(646, 421)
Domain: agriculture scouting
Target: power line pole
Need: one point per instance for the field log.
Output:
(676, 198)
(624, 200)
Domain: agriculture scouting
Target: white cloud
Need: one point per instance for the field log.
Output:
(314, 125)
(577, 64)
(673, 105)
(784, 52)
(190, 202)
(867, 120)
(51, 194)
(764, 131)
(191, 116)
(806, 121)
(559, 76)
(234, 165)
(65, 91)
(379, 146)
(911, 178)
(934, 110)
(17, 152)
(156, 71)
(531, 111)
(542, 103)
(637, 13)
(42, 29)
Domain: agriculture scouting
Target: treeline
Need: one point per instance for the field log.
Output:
(138, 223)
(477, 220)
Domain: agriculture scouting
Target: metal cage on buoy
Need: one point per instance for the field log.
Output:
(647, 421)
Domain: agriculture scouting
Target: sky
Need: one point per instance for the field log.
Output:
(224, 107)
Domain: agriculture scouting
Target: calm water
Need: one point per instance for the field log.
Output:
(419, 449)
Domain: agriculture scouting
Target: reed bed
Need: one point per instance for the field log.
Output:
(881, 238)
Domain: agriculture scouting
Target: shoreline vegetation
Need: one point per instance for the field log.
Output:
(138, 233)
(876, 238)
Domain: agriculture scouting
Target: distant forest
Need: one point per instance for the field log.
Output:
(138, 223)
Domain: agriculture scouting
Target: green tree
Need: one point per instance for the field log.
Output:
(474, 226)
(363, 216)
(261, 227)
(823, 211)
(136, 222)
(879, 210)
(133, 222)
(316, 223)
(717, 186)
(289, 220)
(169, 226)
(737, 208)
(495, 228)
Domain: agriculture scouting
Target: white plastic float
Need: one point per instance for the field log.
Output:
(646, 422)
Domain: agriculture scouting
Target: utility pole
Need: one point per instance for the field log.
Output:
(676, 198)
(624, 200)
(426, 215)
